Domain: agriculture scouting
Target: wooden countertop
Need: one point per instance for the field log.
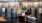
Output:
(25, 17)
(2, 19)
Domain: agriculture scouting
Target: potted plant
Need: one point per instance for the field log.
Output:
(24, 8)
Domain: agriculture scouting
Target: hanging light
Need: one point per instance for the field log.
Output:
(6, 4)
(0, 4)
(11, 4)
(36, 4)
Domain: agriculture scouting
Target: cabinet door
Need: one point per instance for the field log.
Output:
(41, 18)
(3, 12)
(0, 11)
(6, 12)
(21, 19)
(35, 13)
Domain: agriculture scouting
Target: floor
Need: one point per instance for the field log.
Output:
(15, 21)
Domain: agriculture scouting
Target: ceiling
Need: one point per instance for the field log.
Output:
(11, 0)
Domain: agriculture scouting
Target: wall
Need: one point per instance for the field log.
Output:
(12, 0)
(9, 5)
(16, 5)
(32, 4)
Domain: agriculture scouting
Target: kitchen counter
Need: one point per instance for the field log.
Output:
(23, 18)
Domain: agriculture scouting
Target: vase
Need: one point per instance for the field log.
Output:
(23, 13)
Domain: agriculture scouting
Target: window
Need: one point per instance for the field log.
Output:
(40, 10)
(3, 9)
